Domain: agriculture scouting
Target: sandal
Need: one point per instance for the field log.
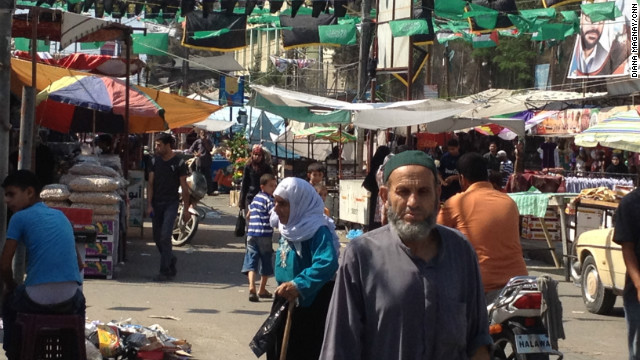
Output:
(253, 297)
(266, 295)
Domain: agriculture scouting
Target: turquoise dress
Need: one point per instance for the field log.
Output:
(312, 268)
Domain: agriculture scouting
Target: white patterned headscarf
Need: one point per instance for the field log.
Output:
(306, 212)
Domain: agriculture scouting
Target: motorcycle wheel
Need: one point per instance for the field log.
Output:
(185, 233)
(505, 348)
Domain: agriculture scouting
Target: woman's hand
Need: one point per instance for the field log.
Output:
(288, 291)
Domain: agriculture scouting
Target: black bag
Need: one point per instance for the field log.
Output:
(241, 223)
(272, 328)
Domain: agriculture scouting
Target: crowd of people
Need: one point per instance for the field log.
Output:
(414, 286)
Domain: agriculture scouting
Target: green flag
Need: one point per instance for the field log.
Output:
(601, 11)
(450, 9)
(533, 14)
(151, 44)
(554, 31)
(338, 34)
(570, 16)
(24, 44)
(91, 45)
(401, 28)
(484, 17)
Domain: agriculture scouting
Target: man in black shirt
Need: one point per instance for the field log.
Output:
(493, 163)
(167, 173)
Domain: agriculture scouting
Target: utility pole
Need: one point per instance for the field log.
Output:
(365, 46)
(6, 17)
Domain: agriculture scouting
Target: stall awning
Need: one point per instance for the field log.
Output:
(65, 27)
(179, 111)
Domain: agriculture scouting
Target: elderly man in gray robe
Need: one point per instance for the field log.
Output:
(410, 290)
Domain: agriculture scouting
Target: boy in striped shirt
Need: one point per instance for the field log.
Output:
(259, 239)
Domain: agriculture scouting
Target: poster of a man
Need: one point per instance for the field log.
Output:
(602, 48)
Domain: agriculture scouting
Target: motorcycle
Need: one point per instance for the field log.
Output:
(516, 324)
(183, 232)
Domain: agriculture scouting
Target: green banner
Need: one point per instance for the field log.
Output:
(198, 35)
(450, 9)
(151, 44)
(303, 114)
(484, 17)
(601, 11)
(91, 45)
(533, 14)
(554, 31)
(400, 28)
(24, 44)
(338, 34)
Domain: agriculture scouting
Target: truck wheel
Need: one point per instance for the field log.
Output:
(597, 299)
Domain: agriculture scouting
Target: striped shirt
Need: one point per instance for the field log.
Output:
(260, 209)
(506, 168)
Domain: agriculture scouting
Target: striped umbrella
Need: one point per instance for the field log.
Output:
(621, 131)
(96, 104)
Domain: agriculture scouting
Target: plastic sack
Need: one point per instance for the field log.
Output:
(273, 327)
(92, 351)
(55, 192)
(92, 169)
(241, 223)
(90, 197)
(93, 183)
(98, 209)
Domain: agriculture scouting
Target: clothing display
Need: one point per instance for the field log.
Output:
(576, 184)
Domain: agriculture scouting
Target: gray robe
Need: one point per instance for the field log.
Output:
(388, 304)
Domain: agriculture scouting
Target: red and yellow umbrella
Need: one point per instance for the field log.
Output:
(96, 104)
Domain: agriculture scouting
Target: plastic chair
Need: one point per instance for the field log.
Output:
(52, 337)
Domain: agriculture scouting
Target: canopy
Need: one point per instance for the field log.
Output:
(65, 27)
(96, 64)
(438, 115)
(621, 131)
(330, 133)
(178, 111)
(96, 103)
(495, 102)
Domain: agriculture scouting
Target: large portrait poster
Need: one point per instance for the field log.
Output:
(602, 48)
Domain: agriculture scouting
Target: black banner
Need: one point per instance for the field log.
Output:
(234, 39)
(304, 29)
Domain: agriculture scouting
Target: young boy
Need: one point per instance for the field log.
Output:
(315, 173)
(53, 283)
(259, 239)
(323, 192)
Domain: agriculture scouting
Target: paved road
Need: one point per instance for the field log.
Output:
(210, 297)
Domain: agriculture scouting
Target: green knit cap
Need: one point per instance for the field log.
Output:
(412, 157)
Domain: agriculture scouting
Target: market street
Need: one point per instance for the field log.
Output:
(210, 297)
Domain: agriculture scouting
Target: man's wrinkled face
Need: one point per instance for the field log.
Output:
(16, 198)
(412, 198)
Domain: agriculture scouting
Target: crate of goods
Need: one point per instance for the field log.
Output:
(84, 233)
(532, 228)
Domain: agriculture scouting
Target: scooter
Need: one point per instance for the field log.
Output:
(516, 324)
(183, 232)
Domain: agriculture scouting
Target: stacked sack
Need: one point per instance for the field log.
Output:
(55, 195)
(93, 186)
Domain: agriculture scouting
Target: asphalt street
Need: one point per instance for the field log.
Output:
(209, 297)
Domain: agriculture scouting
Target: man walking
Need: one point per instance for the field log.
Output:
(490, 220)
(167, 173)
(409, 290)
(627, 234)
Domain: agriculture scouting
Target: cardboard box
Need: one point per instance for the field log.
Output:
(99, 268)
(99, 249)
(105, 227)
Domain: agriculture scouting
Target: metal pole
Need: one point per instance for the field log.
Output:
(365, 44)
(6, 17)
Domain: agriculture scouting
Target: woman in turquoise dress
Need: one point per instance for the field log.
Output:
(305, 266)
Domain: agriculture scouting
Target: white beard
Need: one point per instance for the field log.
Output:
(411, 232)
